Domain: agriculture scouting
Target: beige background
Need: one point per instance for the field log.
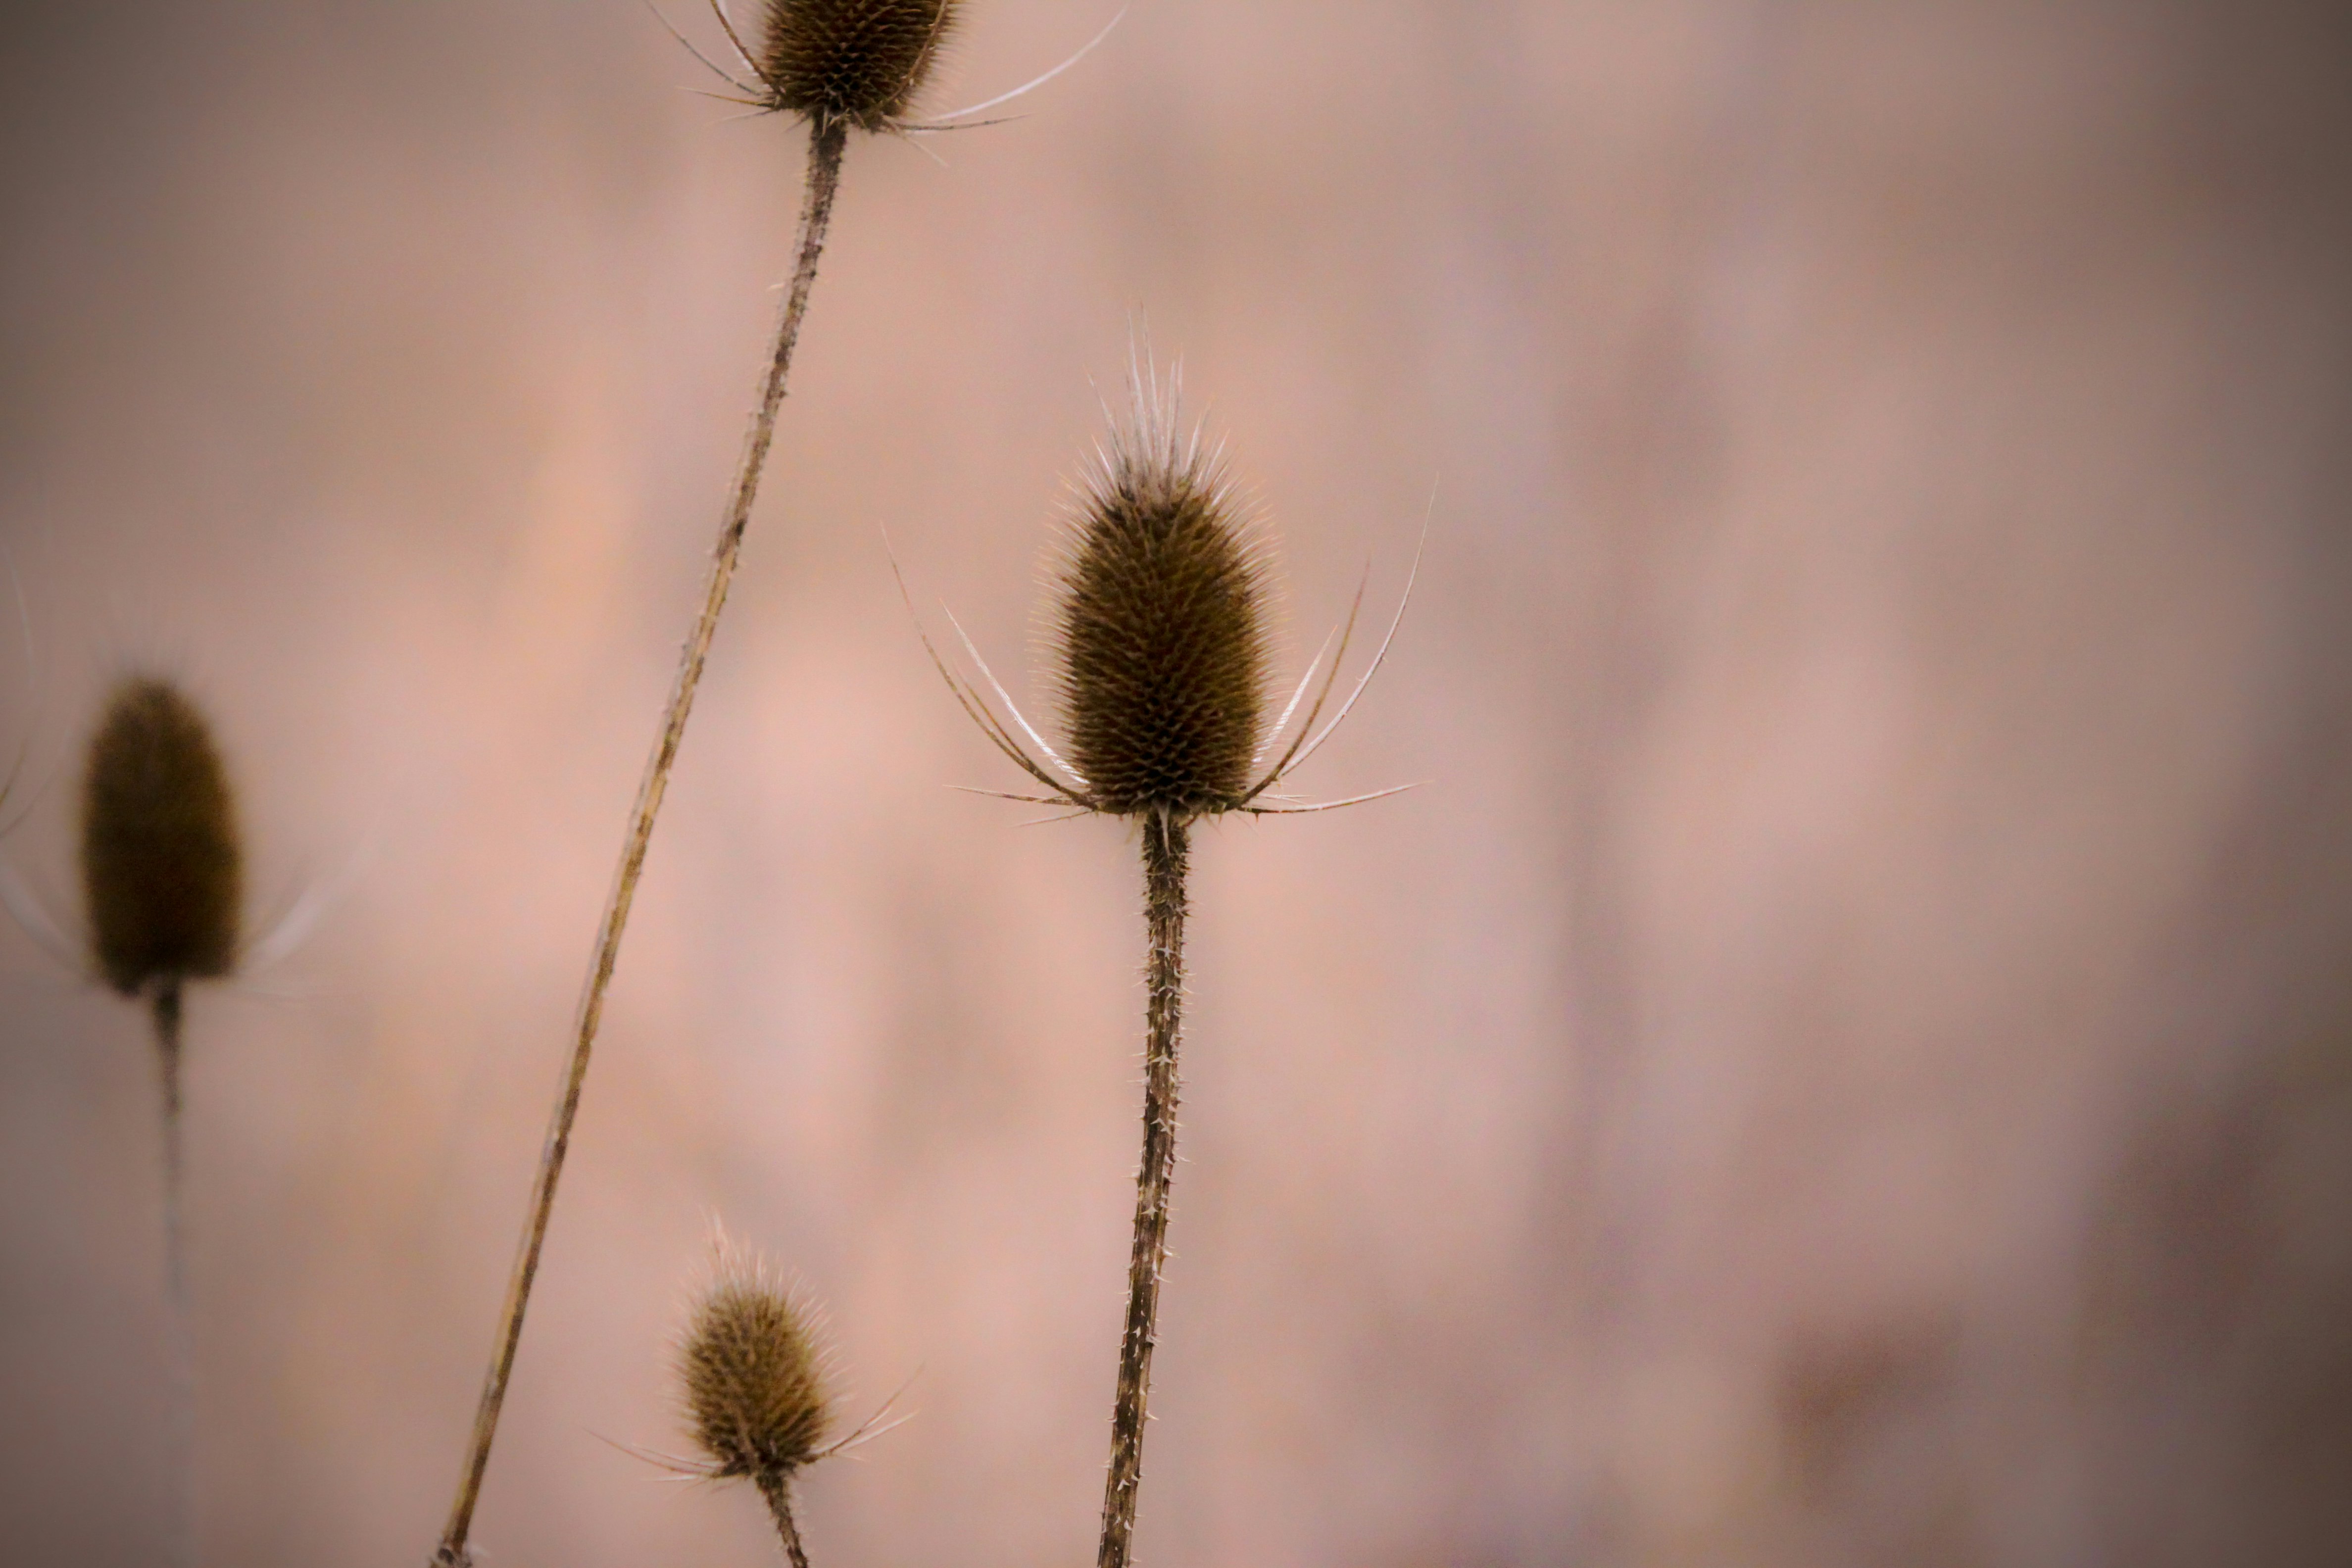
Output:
(1849, 1060)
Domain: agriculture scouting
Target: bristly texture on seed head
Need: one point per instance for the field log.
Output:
(1158, 643)
(858, 62)
(1160, 633)
(752, 1362)
(159, 862)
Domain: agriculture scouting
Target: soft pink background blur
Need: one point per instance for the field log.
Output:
(1849, 1060)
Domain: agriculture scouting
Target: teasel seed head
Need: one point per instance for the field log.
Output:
(854, 62)
(162, 870)
(1159, 642)
(754, 1367)
(1160, 629)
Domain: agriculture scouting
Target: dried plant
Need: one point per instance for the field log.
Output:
(163, 880)
(752, 1363)
(1160, 638)
(840, 65)
(755, 1374)
(160, 861)
(854, 62)
(754, 1368)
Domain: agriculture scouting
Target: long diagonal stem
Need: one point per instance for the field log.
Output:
(175, 1276)
(825, 144)
(1164, 858)
(778, 1489)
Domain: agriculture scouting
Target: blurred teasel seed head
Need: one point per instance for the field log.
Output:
(1159, 635)
(162, 870)
(854, 62)
(752, 1363)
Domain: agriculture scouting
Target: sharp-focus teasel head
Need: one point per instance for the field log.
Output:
(1159, 632)
(1160, 638)
(752, 1364)
(162, 870)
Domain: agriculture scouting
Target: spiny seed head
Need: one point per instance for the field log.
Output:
(1159, 636)
(752, 1362)
(160, 868)
(859, 62)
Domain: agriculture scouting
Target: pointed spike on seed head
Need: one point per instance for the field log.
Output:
(1159, 639)
(162, 870)
(855, 62)
(752, 1366)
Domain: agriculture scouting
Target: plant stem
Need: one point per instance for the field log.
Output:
(778, 1489)
(825, 146)
(175, 1276)
(1164, 860)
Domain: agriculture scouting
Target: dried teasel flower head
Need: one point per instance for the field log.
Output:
(1160, 630)
(160, 866)
(1159, 638)
(845, 64)
(853, 62)
(753, 1367)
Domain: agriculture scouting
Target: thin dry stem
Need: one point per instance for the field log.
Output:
(825, 145)
(777, 1488)
(175, 1275)
(1164, 862)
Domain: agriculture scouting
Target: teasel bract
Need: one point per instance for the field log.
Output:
(1160, 638)
(164, 882)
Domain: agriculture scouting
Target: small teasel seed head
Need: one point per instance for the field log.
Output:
(160, 867)
(858, 62)
(752, 1365)
(1159, 638)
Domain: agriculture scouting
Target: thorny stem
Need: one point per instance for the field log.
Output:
(1164, 858)
(777, 1488)
(175, 1273)
(825, 144)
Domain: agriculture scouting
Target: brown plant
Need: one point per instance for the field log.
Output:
(838, 75)
(1159, 639)
(164, 882)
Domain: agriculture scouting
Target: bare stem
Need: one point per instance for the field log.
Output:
(175, 1277)
(825, 146)
(1164, 860)
(777, 1488)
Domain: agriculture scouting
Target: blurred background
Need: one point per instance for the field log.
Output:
(1847, 1060)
